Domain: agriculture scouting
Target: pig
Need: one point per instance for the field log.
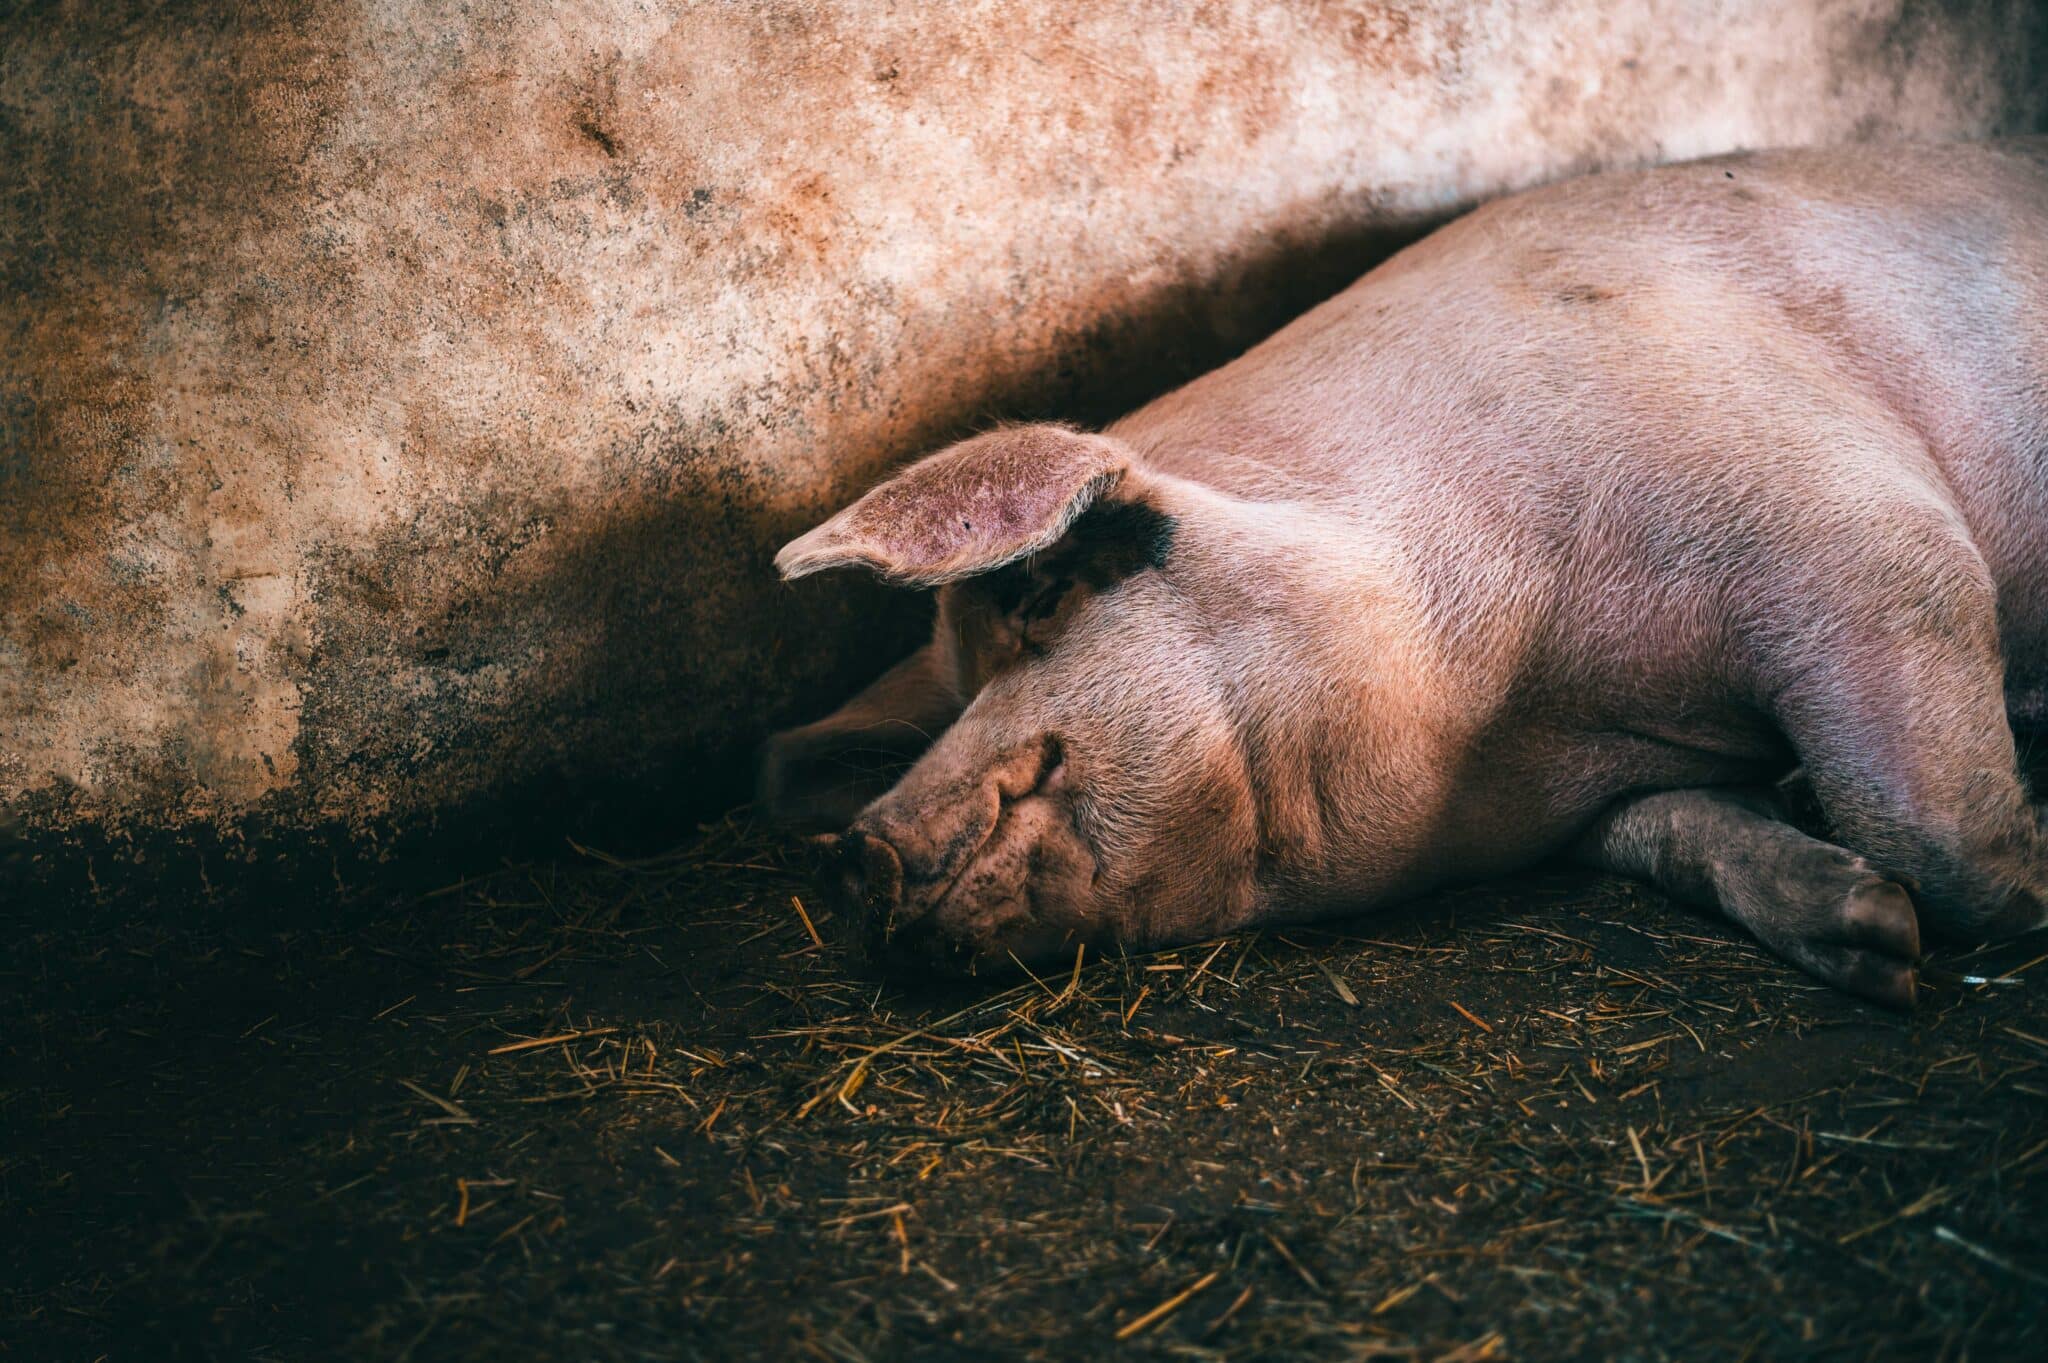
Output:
(1617, 522)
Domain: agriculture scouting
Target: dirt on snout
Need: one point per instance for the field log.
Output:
(582, 1108)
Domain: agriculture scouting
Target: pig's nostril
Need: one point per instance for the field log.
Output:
(872, 875)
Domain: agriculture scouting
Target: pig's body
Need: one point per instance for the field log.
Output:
(1659, 482)
(1587, 424)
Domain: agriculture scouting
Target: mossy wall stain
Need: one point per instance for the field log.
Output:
(399, 400)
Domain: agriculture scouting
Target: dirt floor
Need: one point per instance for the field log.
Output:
(582, 1109)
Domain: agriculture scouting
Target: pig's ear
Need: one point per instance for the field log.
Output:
(970, 508)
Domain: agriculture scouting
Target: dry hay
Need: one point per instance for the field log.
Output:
(602, 1108)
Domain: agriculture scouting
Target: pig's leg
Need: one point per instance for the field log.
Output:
(1901, 727)
(1819, 906)
(822, 774)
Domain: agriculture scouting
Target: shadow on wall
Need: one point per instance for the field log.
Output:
(619, 628)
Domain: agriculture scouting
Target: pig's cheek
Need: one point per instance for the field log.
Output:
(1060, 880)
(989, 917)
(1033, 880)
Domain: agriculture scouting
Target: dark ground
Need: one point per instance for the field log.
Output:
(577, 1109)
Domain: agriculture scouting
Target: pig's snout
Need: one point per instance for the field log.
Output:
(941, 876)
(871, 889)
(870, 885)
(870, 879)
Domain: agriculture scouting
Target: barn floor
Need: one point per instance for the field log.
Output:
(583, 1109)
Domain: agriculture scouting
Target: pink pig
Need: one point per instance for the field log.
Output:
(1574, 530)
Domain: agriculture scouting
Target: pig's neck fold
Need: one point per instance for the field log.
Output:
(1347, 707)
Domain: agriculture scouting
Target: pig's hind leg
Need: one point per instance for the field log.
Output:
(1819, 906)
(1895, 703)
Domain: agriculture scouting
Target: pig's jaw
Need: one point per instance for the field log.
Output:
(1351, 725)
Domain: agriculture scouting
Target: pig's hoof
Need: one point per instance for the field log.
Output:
(1863, 937)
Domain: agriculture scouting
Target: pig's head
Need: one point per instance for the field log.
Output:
(1080, 768)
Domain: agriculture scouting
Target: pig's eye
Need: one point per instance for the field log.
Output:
(1034, 616)
(1043, 602)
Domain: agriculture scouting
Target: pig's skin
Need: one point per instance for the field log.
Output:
(1570, 529)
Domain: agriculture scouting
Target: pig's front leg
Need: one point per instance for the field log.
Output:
(822, 774)
(1819, 906)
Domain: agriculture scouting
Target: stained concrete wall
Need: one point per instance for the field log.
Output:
(400, 402)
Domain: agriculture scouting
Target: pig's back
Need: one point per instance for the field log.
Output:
(1681, 325)
(1923, 272)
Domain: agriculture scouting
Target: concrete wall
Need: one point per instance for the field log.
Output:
(401, 402)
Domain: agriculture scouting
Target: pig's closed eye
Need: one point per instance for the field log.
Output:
(1035, 615)
(1043, 602)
